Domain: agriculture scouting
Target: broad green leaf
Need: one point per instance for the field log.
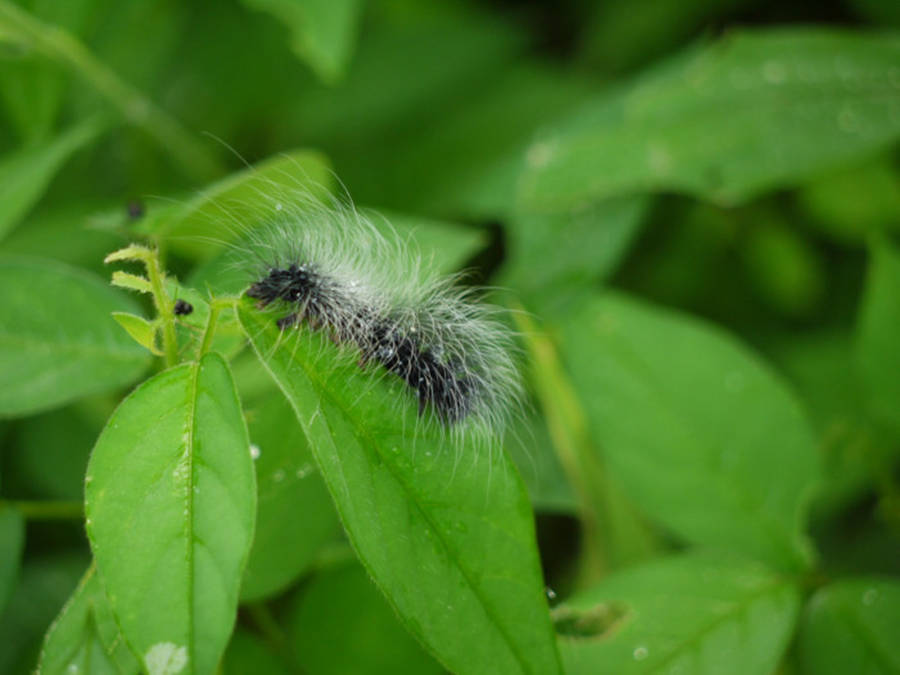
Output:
(444, 528)
(25, 174)
(58, 341)
(170, 505)
(75, 643)
(285, 543)
(467, 159)
(31, 88)
(339, 623)
(12, 541)
(822, 369)
(725, 122)
(246, 653)
(696, 613)
(75, 232)
(233, 206)
(555, 259)
(851, 627)
(61, 439)
(322, 31)
(702, 435)
(878, 335)
(44, 584)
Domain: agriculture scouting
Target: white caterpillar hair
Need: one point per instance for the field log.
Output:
(330, 268)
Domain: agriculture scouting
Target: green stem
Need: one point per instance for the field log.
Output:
(568, 432)
(215, 308)
(60, 46)
(165, 308)
(47, 510)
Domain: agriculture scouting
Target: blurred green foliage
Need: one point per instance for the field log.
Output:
(693, 208)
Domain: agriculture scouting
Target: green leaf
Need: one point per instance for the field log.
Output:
(586, 247)
(723, 122)
(248, 654)
(143, 332)
(32, 89)
(61, 439)
(44, 585)
(57, 339)
(75, 643)
(702, 435)
(878, 335)
(12, 541)
(233, 206)
(696, 613)
(26, 173)
(289, 484)
(851, 627)
(170, 504)
(855, 202)
(323, 31)
(445, 529)
(339, 623)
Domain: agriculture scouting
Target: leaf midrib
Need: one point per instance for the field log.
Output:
(361, 434)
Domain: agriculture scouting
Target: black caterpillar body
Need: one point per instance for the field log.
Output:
(321, 302)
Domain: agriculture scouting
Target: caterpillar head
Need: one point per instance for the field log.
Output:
(295, 284)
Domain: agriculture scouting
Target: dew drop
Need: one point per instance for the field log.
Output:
(869, 597)
(540, 154)
(551, 594)
(640, 653)
(774, 72)
(254, 451)
(848, 120)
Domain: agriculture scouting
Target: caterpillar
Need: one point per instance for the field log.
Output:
(330, 269)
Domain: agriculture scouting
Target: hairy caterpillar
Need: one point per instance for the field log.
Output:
(330, 269)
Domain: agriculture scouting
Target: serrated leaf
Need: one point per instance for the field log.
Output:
(12, 541)
(721, 122)
(233, 206)
(74, 643)
(703, 436)
(143, 332)
(696, 613)
(445, 530)
(323, 32)
(58, 341)
(170, 504)
(25, 174)
(132, 282)
(851, 627)
(289, 483)
(878, 335)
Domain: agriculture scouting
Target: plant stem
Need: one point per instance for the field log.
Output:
(47, 510)
(612, 532)
(62, 47)
(215, 308)
(165, 308)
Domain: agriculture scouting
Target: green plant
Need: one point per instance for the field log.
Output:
(702, 264)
